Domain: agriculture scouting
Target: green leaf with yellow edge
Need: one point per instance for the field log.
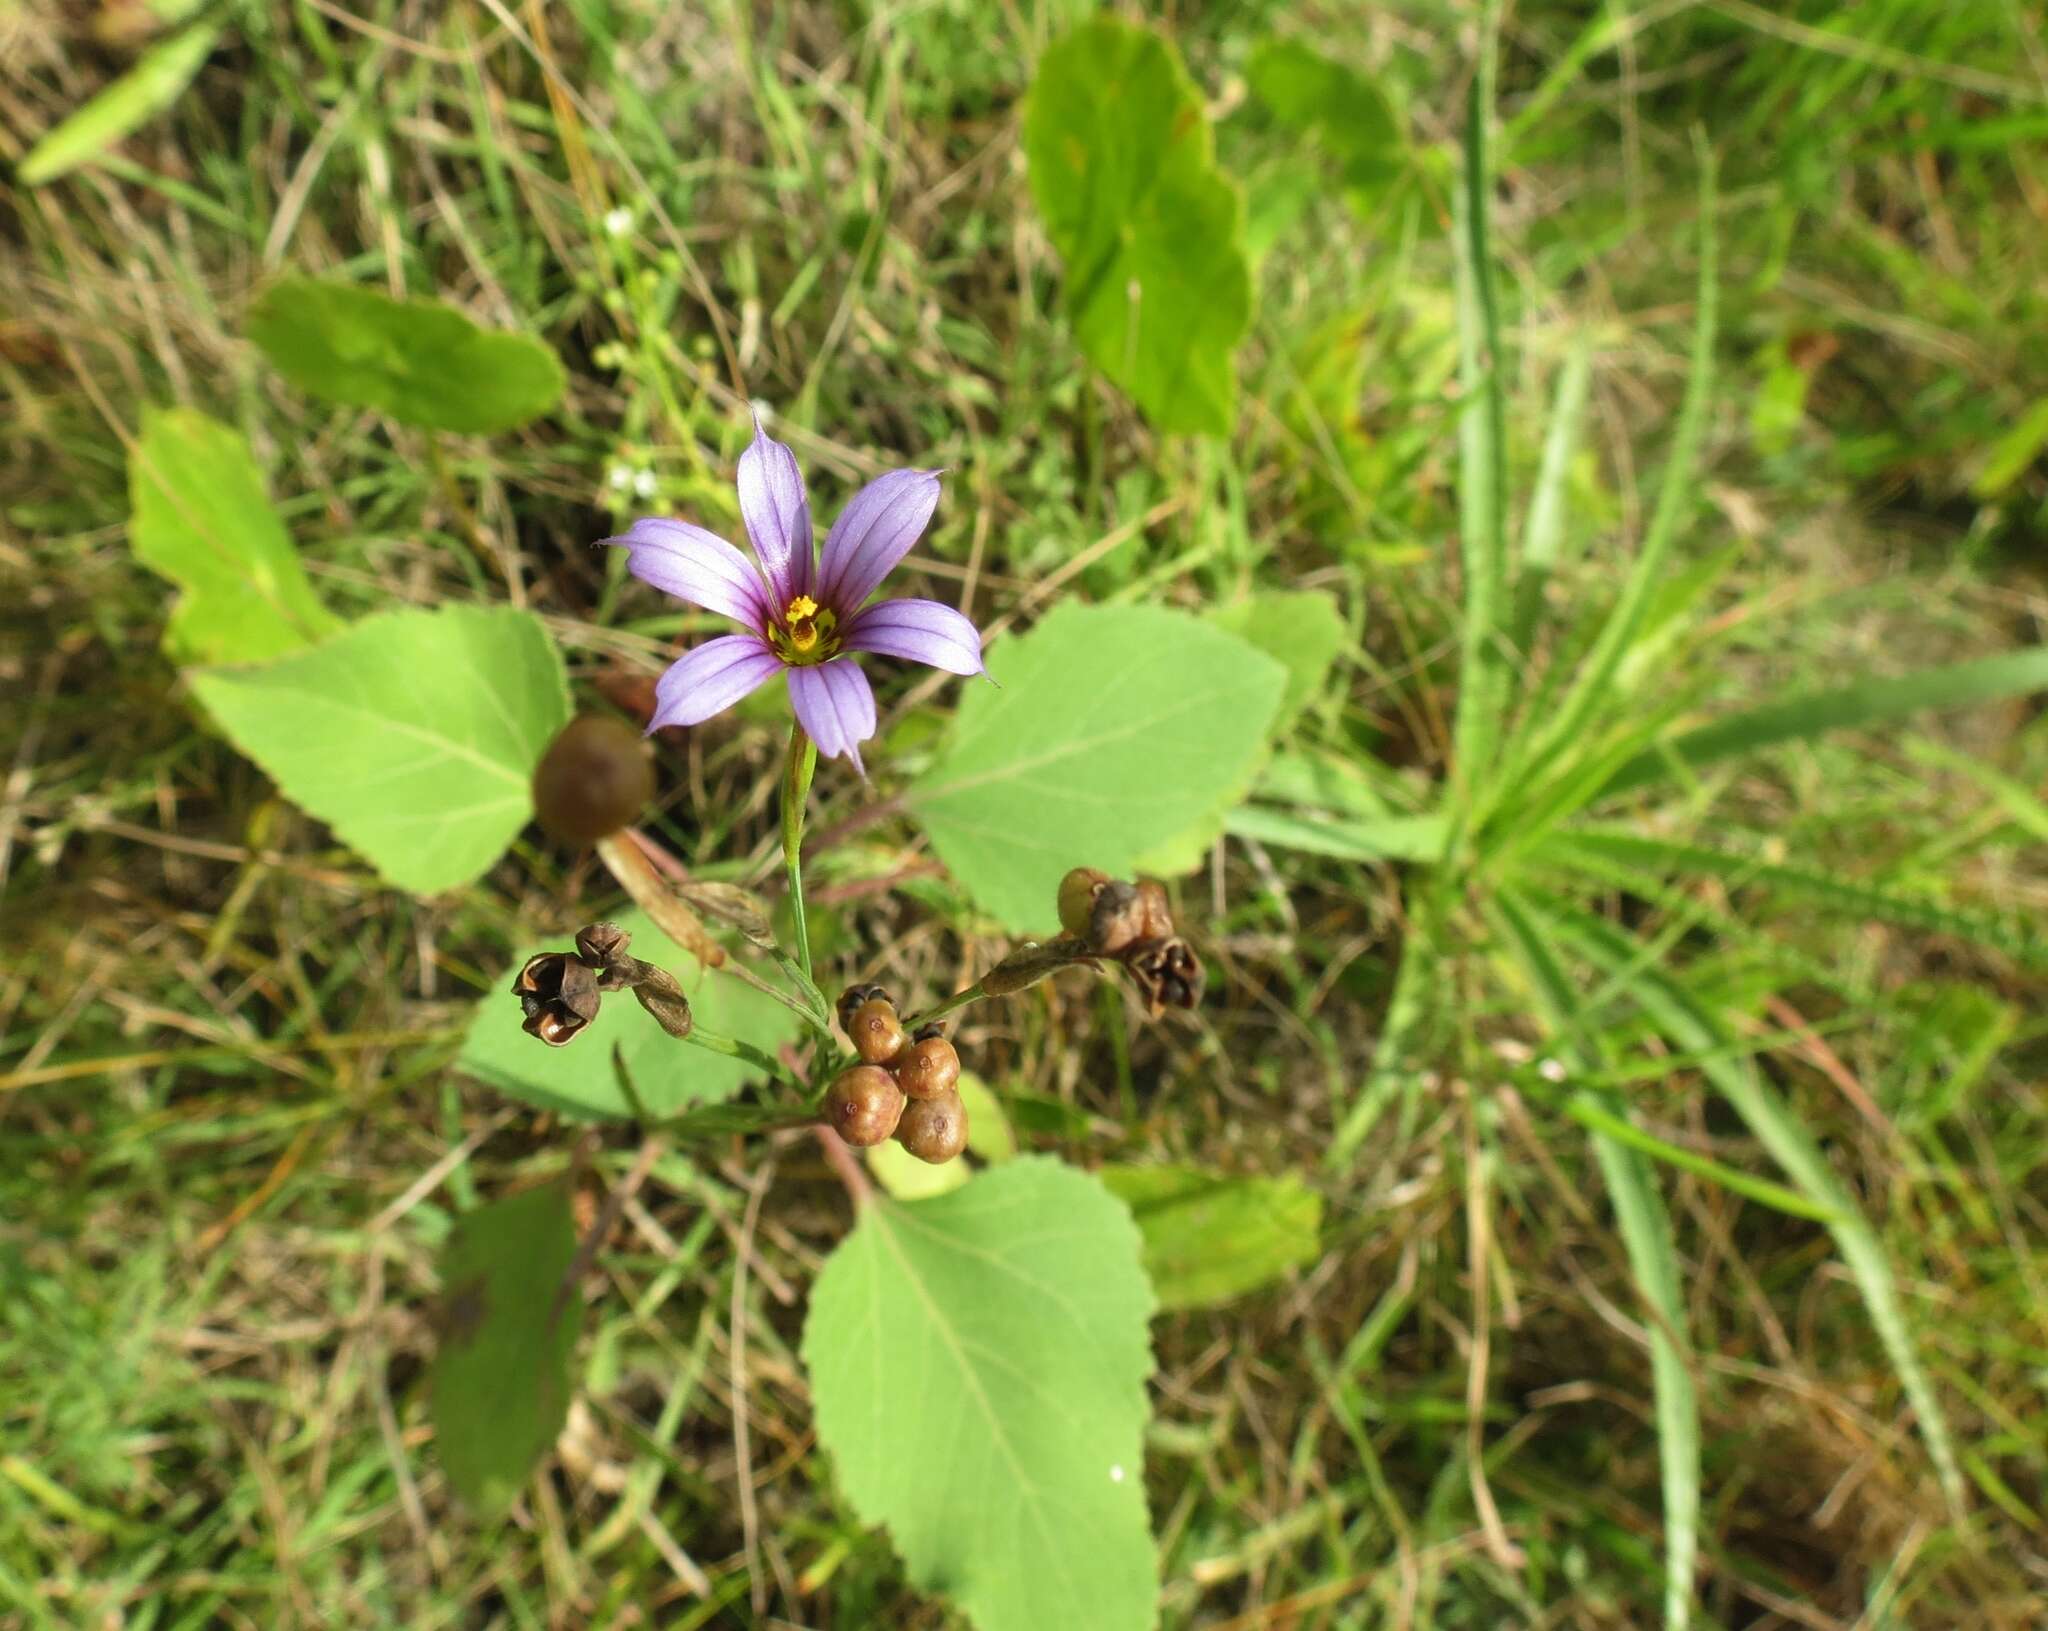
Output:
(1158, 284)
(978, 1366)
(158, 79)
(420, 361)
(1210, 1236)
(201, 518)
(581, 1078)
(1116, 729)
(499, 1386)
(413, 734)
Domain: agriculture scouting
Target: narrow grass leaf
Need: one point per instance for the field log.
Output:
(1543, 533)
(1385, 838)
(158, 79)
(1867, 702)
(1792, 1146)
(1646, 1234)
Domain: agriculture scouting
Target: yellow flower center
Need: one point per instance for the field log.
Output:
(807, 633)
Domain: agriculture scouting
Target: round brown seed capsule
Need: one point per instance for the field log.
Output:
(876, 1032)
(929, 1069)
(593, 779)
(852, 997)
(863, 1105)
(1078, 890)
(934, 1129)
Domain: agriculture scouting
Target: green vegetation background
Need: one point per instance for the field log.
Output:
(223, 1048)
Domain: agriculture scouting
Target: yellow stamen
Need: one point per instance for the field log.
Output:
(800, 608)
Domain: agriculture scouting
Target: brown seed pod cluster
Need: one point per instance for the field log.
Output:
(1133, 923)
(559, 993)
(905, 1086)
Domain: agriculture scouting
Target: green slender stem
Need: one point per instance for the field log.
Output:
(796, 792)
(959, 999)
(733, 1048)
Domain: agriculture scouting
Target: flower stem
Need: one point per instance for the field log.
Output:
(733, 1048)
(959, 999)
(796, 792)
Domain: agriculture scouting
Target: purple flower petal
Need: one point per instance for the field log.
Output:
(921, 630)
(873, 533)
(777, 514)
(696, 566)
(833, 703)
(711, 678)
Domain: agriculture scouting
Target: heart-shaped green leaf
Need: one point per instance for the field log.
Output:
(978, 1365)
(413, 734)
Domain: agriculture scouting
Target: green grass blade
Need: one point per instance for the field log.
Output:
(1675, 1012)
(1868, 702)
(1605, 854)
(1393, 1068)
(1389, 838)
(1593, 685)
(1482, 441)
(1652, 1249)
(1595, 1117)
(1543, 534)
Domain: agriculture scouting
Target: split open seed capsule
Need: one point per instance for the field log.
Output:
(594, 779)
(863, 1105)
(929, 1069)
(934, 1129)
(876, 1032)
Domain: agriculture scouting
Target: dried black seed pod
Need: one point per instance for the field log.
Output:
(660, 995)
(863, 1105)
(934, 1129)
(852, 997)
(1117, 920)
(1078, 890)
(1167, 974)
(558, 995)
(929, 1029)
(876, 1032)
(598, 944)
(594, 779)
(929, 1069)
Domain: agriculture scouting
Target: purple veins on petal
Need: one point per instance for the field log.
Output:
(835, 707)
(922, 631)
(876, 530)
(711, 678)
(694, 565)
(778, 515)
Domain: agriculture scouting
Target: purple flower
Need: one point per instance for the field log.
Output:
(802, 611)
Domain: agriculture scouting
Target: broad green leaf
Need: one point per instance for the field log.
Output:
(1867, 702)
(989, 1134)
(201, 518)
(1348, 113)
(1210, 1236)
(978, 1366)
(158, 78)
(581, 1079)
(413, 734)
(1158, 285)
(499, 1386)
(1116, 728)
(420, 361)
(1303, 632)
(1301, 629)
